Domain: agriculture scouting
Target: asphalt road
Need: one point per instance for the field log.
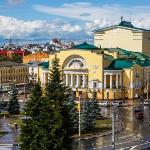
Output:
(135, 136)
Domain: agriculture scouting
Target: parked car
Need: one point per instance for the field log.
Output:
(104, 103)
(137, 109)
(146, 102)
(139, 115)
(117, 103)
(9, 92)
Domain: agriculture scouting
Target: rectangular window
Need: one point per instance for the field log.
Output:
(107, 95)
(94, 84)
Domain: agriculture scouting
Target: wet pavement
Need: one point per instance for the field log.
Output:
(135, 136)
(11, 137)
(7, 141)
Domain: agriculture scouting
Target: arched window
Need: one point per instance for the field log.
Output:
(76, 64)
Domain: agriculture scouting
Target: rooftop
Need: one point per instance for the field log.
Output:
(119, 65)
(85, 46)
(44, 65)
(10, 64)
(123, 24)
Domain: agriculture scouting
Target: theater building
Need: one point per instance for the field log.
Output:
(113, 73)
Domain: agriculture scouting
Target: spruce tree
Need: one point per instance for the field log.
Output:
(31, 126)
(57, 92)
(13, 106)
(90, 111)
(72, 114)
(51, 134)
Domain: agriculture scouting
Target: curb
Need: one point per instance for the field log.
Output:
(121, 124)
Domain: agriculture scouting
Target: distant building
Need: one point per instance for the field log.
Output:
(12, 72)
(9, 53)
(35, 57)
(124, 36)
(37, 69)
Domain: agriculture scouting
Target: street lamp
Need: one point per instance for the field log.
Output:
(136, 84)
(79, 119)
(114, 114)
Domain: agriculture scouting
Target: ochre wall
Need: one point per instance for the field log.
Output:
(119, 37)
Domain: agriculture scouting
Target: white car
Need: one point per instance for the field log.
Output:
(117, 103)
(104, 103)
(147, 102)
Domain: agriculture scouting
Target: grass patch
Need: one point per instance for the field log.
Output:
(16, 120)
(101, 126)
(2, 133)
(106, 121)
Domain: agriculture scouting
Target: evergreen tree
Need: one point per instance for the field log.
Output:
(72, 114)
(31, 126)
(16, 58)
(90, 111)
(51, 134)
(13, 106)
(57, 92)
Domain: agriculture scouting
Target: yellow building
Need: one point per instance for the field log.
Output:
(113, 73)
(12, 72)
(125, 36)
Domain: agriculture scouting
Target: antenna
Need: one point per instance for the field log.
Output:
(121, 18)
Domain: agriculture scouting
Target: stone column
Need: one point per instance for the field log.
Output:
(117, 85)
(83, 77)
(71, 81)
(66, 79)
(120, 80)
(104, 82)
(111, 81)
(77, 81)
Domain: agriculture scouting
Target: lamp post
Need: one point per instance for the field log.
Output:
(114, 114)
(147, 86)
(136, 84)
(79, 127)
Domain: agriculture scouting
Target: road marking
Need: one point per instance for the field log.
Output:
(122, 137)
(132, 147)
(120, 143)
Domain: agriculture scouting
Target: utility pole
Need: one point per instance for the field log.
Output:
(79, 122)
(147, 86)
(113, 129)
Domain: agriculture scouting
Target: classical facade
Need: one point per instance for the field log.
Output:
(113, 73)
(12, 72)
(125, 36)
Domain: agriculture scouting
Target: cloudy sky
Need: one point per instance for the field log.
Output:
(67, 19)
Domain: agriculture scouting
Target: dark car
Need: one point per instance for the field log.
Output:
(137, 109)
(139, 115)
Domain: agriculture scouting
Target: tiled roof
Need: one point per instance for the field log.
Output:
(36, 55)
(44, 64)
(85, 46)
(119, 65)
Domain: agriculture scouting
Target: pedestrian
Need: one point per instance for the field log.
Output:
(16, 126)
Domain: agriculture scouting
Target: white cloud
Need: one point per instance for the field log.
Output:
(15, 28)
(105, 14)
(92, 17)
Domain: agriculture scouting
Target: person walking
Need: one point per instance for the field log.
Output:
(16, 126)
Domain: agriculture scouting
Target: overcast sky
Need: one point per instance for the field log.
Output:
(67, 19)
